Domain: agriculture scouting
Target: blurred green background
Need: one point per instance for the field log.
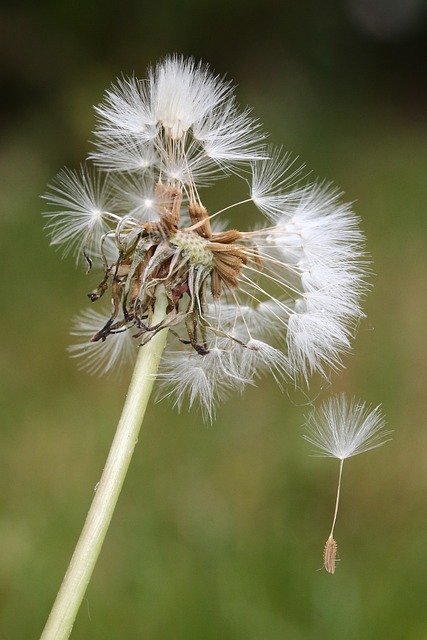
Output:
(219, 531)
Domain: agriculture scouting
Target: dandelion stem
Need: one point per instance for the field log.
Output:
(331, 535)
(76, 580)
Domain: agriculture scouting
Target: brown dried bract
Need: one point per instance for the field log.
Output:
(198, 214)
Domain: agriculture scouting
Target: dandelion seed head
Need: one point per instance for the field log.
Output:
(281, 299)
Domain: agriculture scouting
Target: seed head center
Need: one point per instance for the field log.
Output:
(194, 246)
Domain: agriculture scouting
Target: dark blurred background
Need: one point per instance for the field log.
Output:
(219, 531)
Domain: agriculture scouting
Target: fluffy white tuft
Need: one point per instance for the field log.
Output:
(84, 206)
(102, 356)
(201, 379)
(183, 93)
(341, 429)
(274, 188)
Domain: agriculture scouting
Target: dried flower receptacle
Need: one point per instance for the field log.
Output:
(190, 261)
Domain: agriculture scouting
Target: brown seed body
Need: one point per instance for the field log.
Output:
(329, 555)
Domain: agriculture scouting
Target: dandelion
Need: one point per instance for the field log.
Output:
(138, 216)
(342, 429)
(206, 307)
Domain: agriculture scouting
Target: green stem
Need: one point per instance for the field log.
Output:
(76, 580)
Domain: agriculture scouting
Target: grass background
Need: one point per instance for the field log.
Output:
(219, 531)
